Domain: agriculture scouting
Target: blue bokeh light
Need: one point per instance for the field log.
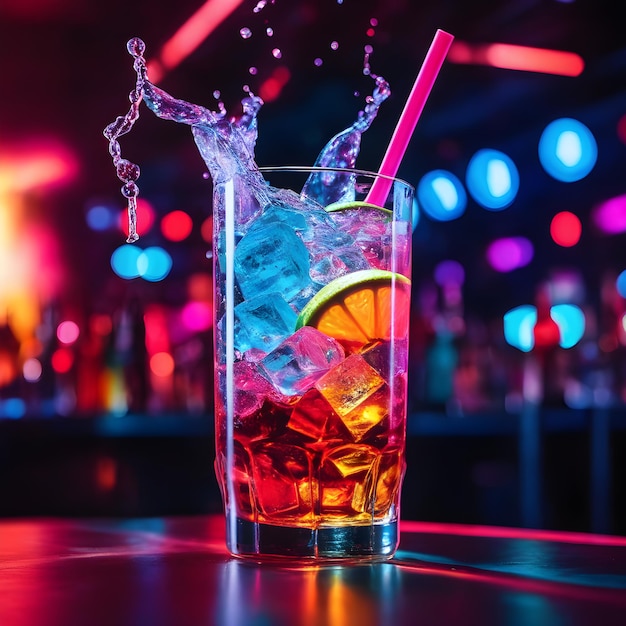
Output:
(620, 284)
(154, 264)
(442, 195)
(124, 261)
(415, 214)
(100, 217)
(571, 322)
(518, 327)
(492, 179)
(13, 408)
(567, 150)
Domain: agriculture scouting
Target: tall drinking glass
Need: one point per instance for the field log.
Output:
(312, 312)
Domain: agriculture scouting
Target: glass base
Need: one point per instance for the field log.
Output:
(341, 544)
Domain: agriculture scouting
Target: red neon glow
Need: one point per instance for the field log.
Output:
(206, 230)
(565, 229)
(36, 165)
(192, 33)
(176, 225)
(524, 58)
(270, 89)
(157, 332)
(62, 360)
(162, 364)
(471, 530)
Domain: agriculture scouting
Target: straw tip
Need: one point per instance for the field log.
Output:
(444, 34)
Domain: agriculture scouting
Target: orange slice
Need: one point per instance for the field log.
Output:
(360, 308)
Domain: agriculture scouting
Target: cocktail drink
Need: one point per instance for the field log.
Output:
(312, 315)
(311, 269)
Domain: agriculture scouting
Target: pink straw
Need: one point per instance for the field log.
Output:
(408, 119)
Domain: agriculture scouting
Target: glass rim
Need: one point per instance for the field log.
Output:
(316, 168)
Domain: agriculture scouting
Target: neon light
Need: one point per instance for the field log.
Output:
(565, 229)
(154, 263)
(270, 89)
(471, 530)
(28, 168)
(124, 261)
(567, 150)
(176, 225)
(492, 179)
(571, 322)
(620, 284)
(441, 195)
(509, 253)
(449, 272)
(162, 364)
(523, 58)
(68, 332)
(610, 216)
(192, 33)
(518, 327)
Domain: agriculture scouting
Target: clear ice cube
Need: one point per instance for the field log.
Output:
(299, 361)
(271, 259)
(263, 322)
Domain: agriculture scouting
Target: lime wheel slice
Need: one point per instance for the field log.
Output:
(361, 308)
(356, 204)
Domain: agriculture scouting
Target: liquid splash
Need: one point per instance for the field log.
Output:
(127, 171)
(227, 144)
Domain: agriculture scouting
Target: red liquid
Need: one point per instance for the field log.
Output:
(301, 462)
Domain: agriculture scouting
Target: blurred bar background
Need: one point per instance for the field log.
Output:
(518, 380)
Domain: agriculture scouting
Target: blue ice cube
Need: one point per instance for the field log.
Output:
(271, 259)
(272, 214)
(263, 322)
(299, 361)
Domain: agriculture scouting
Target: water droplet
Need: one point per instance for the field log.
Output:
(269, 31)
(205, 175)
(357, 94)
(370, 32)
(334, 45)
(253, 71)
(130, 190)
(374, 22)
(369, 49)
(245, 33)
(339, 1)
(136, 47)
(318, 62)
(276, 53)
(260, 6)
(127, 171)
(217, 94)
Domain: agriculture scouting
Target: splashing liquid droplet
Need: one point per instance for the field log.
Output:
(342, 150)
(245, 33)
(334, 45)
(126, 171)
(227, 144)
(276, 53)
(269, 32)
(260, 6)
